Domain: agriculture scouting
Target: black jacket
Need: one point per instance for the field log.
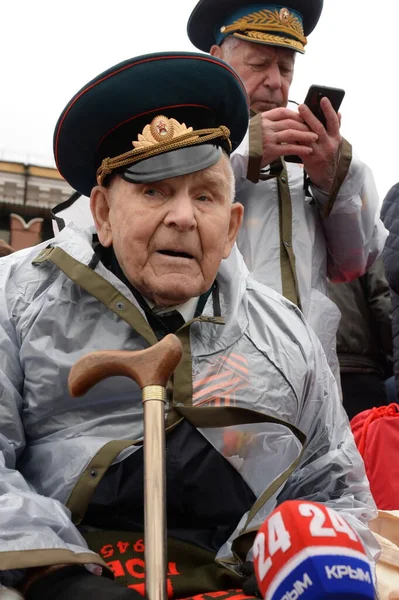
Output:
(390, 218)
(364, 338)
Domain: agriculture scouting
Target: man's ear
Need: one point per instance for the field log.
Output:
(236, 217)
(216, 51)
(99, 206)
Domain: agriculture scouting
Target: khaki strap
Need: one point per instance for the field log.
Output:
(289, 281)
(100, 288)
(89, 479)
(225, 417)
(105, 292)
(182, 379)
(255, 151)
(109, 296)
(255, 154)
(345, 159)
(245, 539)
(278, 169)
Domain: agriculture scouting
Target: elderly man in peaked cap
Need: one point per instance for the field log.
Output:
(302, 223)
(149, 140)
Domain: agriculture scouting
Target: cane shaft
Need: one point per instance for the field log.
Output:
(154, 398)
(150, 369)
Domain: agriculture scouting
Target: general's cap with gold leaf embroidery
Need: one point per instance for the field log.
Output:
(285, 25)
(150, 118)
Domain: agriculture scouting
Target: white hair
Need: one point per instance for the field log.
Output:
(230, 173)
(228, 45)
(232, 180)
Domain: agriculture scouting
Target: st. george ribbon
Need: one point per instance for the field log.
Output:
(308, 551)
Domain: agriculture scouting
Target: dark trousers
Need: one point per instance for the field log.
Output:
(392, 392)
(362, 391)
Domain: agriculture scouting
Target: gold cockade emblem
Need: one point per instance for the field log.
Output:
(161, 129)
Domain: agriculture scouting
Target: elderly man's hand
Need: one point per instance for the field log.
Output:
(321, 164)
(284, 132)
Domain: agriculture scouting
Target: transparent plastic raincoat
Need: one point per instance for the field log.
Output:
(292, 241)
(280, 407)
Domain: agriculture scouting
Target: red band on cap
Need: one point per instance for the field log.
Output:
(206, 59)
(162, 108)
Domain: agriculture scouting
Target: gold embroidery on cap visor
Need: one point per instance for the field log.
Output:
(267, 26)
(161, 135)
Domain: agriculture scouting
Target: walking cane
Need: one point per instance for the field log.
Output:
(151, 369)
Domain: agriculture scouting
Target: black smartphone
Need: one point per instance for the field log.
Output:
(313, 97)
(316, 93)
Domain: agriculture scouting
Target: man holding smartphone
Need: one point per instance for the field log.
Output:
(306, 222)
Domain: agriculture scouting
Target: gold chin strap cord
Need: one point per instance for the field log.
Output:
(161, 135)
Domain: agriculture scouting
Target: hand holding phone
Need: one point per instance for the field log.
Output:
(312, 100)
(316, 93)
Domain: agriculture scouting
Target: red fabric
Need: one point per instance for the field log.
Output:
(376, 433)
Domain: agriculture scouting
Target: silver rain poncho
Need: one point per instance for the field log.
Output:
(48, 440)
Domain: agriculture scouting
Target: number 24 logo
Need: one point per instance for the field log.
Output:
(280, 539)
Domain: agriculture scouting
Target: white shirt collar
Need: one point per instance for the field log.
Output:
(187, 309)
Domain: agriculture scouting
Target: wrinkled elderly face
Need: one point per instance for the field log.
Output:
(266, 71)
(170, 236)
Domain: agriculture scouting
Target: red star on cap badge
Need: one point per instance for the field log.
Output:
(161, 127)
(284, 14)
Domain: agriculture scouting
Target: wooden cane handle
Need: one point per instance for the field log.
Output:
(152, 366)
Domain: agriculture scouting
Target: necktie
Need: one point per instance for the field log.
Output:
(165, 323)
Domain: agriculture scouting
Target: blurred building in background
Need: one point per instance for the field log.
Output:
(27, 194)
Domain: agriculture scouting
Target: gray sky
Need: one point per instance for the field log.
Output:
(50, 48)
